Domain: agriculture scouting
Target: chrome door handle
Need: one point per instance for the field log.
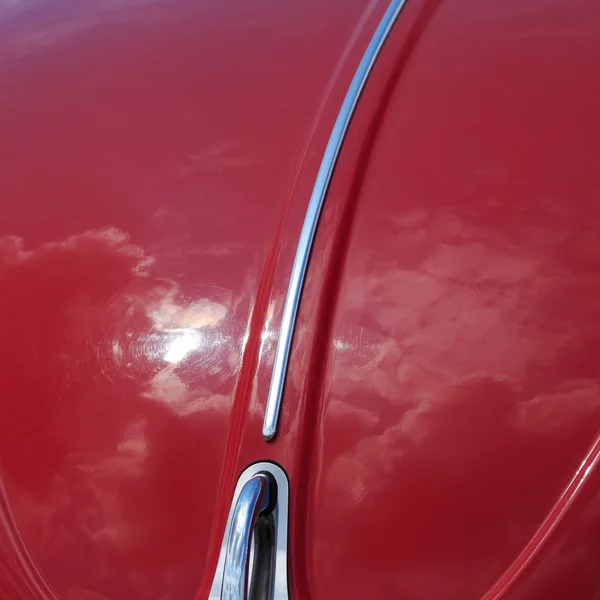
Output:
(253, 558)
(255, 499)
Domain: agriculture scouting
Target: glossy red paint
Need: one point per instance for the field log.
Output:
(443, 426)
(443, 403)
(149, 150)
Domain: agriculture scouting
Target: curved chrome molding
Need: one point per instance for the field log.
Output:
(290, 309)
(251, 499)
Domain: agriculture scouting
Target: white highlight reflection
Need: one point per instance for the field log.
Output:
(181, 344)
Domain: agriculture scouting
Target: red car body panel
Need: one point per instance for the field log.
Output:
(442, 405)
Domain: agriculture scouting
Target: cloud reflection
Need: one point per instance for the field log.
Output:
(111, 378)
(462, 392)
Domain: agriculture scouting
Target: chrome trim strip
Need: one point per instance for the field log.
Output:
(292, 301)
(280, 518)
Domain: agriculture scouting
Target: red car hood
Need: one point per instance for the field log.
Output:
(443, 395)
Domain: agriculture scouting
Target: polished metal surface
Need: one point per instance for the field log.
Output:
(317, 198)
(261, 488)
(253, 500)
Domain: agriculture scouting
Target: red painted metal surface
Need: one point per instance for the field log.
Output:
(442, 410)
(449, 414)
(148, 154)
